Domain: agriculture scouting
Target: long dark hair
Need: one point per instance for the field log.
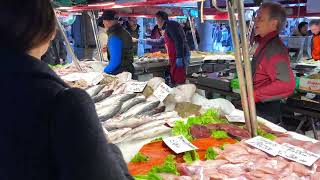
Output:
(26, 24)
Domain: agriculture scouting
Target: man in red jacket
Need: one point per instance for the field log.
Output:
(273, 78)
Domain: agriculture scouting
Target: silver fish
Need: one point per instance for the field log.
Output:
(108, 111)
(101, 96)
(114, 98)
(128, 122)
(130, 103)
(115, 134)
(155, 111)
(144, 127)
(141, 108)
(94, 90)
(166, 115)
(150, 133)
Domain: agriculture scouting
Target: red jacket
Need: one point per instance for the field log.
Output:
(273, 78)
(315, 47)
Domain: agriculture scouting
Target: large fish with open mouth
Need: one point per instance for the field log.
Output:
(94, 90)
(114, 98)
(108, 111)
(131, 102)
(140, 109)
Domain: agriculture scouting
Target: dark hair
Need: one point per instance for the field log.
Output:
(26, 24)
(314, 22)
(301, 25)
(163, 15)
(109, 15)
(100, 22)
(277, 12)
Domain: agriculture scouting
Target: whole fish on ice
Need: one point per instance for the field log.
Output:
(131, 122)
(94, 90)
(114, 98)
(155, 111)
(150, 133)
(144, 127)
(115, 134)
(108, 111)
(141, 108)
(130, 103)
(101, 96)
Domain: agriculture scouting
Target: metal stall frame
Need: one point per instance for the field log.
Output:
(243, 64)
(75, 60)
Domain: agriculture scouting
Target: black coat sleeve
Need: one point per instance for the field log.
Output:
(80, 148)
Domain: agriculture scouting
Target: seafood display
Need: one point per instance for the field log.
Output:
(222, 152)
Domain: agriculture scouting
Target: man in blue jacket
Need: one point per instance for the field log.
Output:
(120, 45)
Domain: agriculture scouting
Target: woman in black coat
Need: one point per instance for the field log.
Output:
(48, 130)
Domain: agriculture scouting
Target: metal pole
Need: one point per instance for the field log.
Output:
(75, 60)
(194, 37)
(247, 67)
(238, 60)
(95, 33)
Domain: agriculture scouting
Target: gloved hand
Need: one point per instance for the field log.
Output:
(179, 62)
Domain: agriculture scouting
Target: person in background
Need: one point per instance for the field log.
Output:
(56, 53)
(119, 46)
(315, 41)
(302, 29)
(273, 78)
(103, 39)
(224, 38)
(156, 34)
(133, 28)
(49, 130)
(188, 32)
(176, 44)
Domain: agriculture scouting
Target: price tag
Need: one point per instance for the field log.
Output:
(136, 87)
(236, 116)
(179, 144)
(298, 154)
(162, 91)
(265, 145)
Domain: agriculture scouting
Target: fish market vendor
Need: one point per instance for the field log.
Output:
(120, 45)
(176, 44)
(273, 78)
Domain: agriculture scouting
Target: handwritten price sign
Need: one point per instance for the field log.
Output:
(265, 145)
(179, 144)
(136, 87)
(162, 91)
(298, 154)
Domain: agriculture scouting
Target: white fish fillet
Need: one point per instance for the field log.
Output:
(150, 133)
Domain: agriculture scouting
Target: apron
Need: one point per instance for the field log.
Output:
(177, 75)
